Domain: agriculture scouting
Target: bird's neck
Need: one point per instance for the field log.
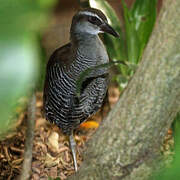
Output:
(88, 45)
(83, 38)
(89, 51)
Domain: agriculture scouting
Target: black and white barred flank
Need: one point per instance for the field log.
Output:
(61, 104)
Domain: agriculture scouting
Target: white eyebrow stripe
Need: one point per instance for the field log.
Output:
(90, 14)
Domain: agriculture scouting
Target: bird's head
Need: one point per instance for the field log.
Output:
(91, 21)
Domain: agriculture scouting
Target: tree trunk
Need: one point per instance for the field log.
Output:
(129, 140)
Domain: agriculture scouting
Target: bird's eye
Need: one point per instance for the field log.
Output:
(94, 20)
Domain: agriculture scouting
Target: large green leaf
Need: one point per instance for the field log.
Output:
(138, 25)
(143, 15)
(132, 40)
(177, 137)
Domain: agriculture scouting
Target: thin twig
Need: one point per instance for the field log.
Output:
(26, 168)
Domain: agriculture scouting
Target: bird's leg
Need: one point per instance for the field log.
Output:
(73, 149)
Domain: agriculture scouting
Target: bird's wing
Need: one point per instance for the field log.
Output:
(92, 95)
(61, 56)
(53, 96)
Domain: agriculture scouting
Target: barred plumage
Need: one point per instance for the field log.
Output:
(62, 106)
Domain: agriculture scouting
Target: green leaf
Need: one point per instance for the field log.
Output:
(132, 40)
(19, 51)
(177, 135)
(18, 67)
(143, 14)
(138, 21)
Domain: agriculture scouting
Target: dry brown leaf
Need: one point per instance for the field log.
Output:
(53, 143)
(40, 122)
(50, 161)
(17, 161)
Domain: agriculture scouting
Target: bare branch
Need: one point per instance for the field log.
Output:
(26, 169)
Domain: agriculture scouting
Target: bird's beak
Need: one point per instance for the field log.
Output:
(108, 29)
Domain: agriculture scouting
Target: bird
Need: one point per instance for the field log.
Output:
(62, 105)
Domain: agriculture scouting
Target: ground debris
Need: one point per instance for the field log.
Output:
(53, 143)
(51, 153)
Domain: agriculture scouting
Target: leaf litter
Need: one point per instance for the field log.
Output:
(51, 154)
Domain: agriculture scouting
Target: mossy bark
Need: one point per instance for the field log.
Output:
(129, 139)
